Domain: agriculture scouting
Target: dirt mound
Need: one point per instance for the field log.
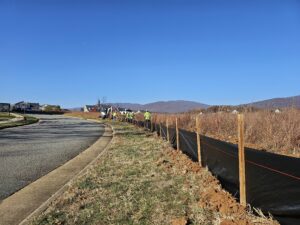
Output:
(211, 196)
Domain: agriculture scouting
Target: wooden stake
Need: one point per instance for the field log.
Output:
(168, 135)
(151, 125)
(177, 135)
(160, 130)
(242, 171)
(198, 140)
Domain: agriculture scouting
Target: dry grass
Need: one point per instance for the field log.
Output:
(84, 115)
(140, 180)
(266, 130)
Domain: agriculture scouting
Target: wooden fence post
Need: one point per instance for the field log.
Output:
(168, 135)
(160, 130)
(198, 140)
(177, 135)
(242, 171)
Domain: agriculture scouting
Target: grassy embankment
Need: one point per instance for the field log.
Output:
(141, 180)
(5, 116)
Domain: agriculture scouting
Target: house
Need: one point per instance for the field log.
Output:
(123, 111)
(4, 107)
(27, 106)
(90, 108)
(50, 108)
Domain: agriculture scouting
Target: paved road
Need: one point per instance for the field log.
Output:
(29, 152)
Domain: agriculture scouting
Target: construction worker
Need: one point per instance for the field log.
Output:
(132, 116)
(127, 116)
(114, 115)
(147, 117)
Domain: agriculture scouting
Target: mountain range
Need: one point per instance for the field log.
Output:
(185, 106)
(277, 103)
(165, 106)
(180, 106)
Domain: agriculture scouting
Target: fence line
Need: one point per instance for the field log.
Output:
(271, 185)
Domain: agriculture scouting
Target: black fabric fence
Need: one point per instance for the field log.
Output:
(273, 184)
(188, 144)
(272, 180)
(163, 132)
(157, 128)
(222, 160)
(172, 136)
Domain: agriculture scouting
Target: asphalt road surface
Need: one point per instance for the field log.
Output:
(29, 152)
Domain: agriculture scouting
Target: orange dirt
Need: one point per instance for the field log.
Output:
(212, 196)
(179, 221)
(234, 222)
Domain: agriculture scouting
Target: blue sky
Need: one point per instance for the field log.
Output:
(215, 52)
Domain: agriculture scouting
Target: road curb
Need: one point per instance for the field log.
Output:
(105, 139)
(45, 205)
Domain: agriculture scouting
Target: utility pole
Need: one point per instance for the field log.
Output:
(98, 105)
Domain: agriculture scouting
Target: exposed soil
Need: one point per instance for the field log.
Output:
(212, 196)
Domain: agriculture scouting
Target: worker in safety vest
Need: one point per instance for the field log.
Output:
(115, 115)
(132, 117)
(147, 117)
(127, 116)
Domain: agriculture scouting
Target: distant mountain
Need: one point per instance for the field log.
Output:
(76, 109)
(277, 103)
(133, 106)
(165, 106)
(185, 106)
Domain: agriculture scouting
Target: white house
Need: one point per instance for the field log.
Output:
(90, 108)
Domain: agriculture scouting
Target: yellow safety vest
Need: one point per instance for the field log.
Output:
(147, 116)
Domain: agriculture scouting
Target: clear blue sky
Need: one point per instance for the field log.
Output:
(215, 52)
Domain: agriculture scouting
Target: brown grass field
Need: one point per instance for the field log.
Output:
(89, 115)
(264, 130)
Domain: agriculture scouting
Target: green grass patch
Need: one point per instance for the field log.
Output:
(28, 120)
(5, 116)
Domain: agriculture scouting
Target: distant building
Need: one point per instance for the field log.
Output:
(123, 111)
(90, 108)
(277, 111)
(4, 107)
(27, 106)
(235, 112)
(50, 108)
